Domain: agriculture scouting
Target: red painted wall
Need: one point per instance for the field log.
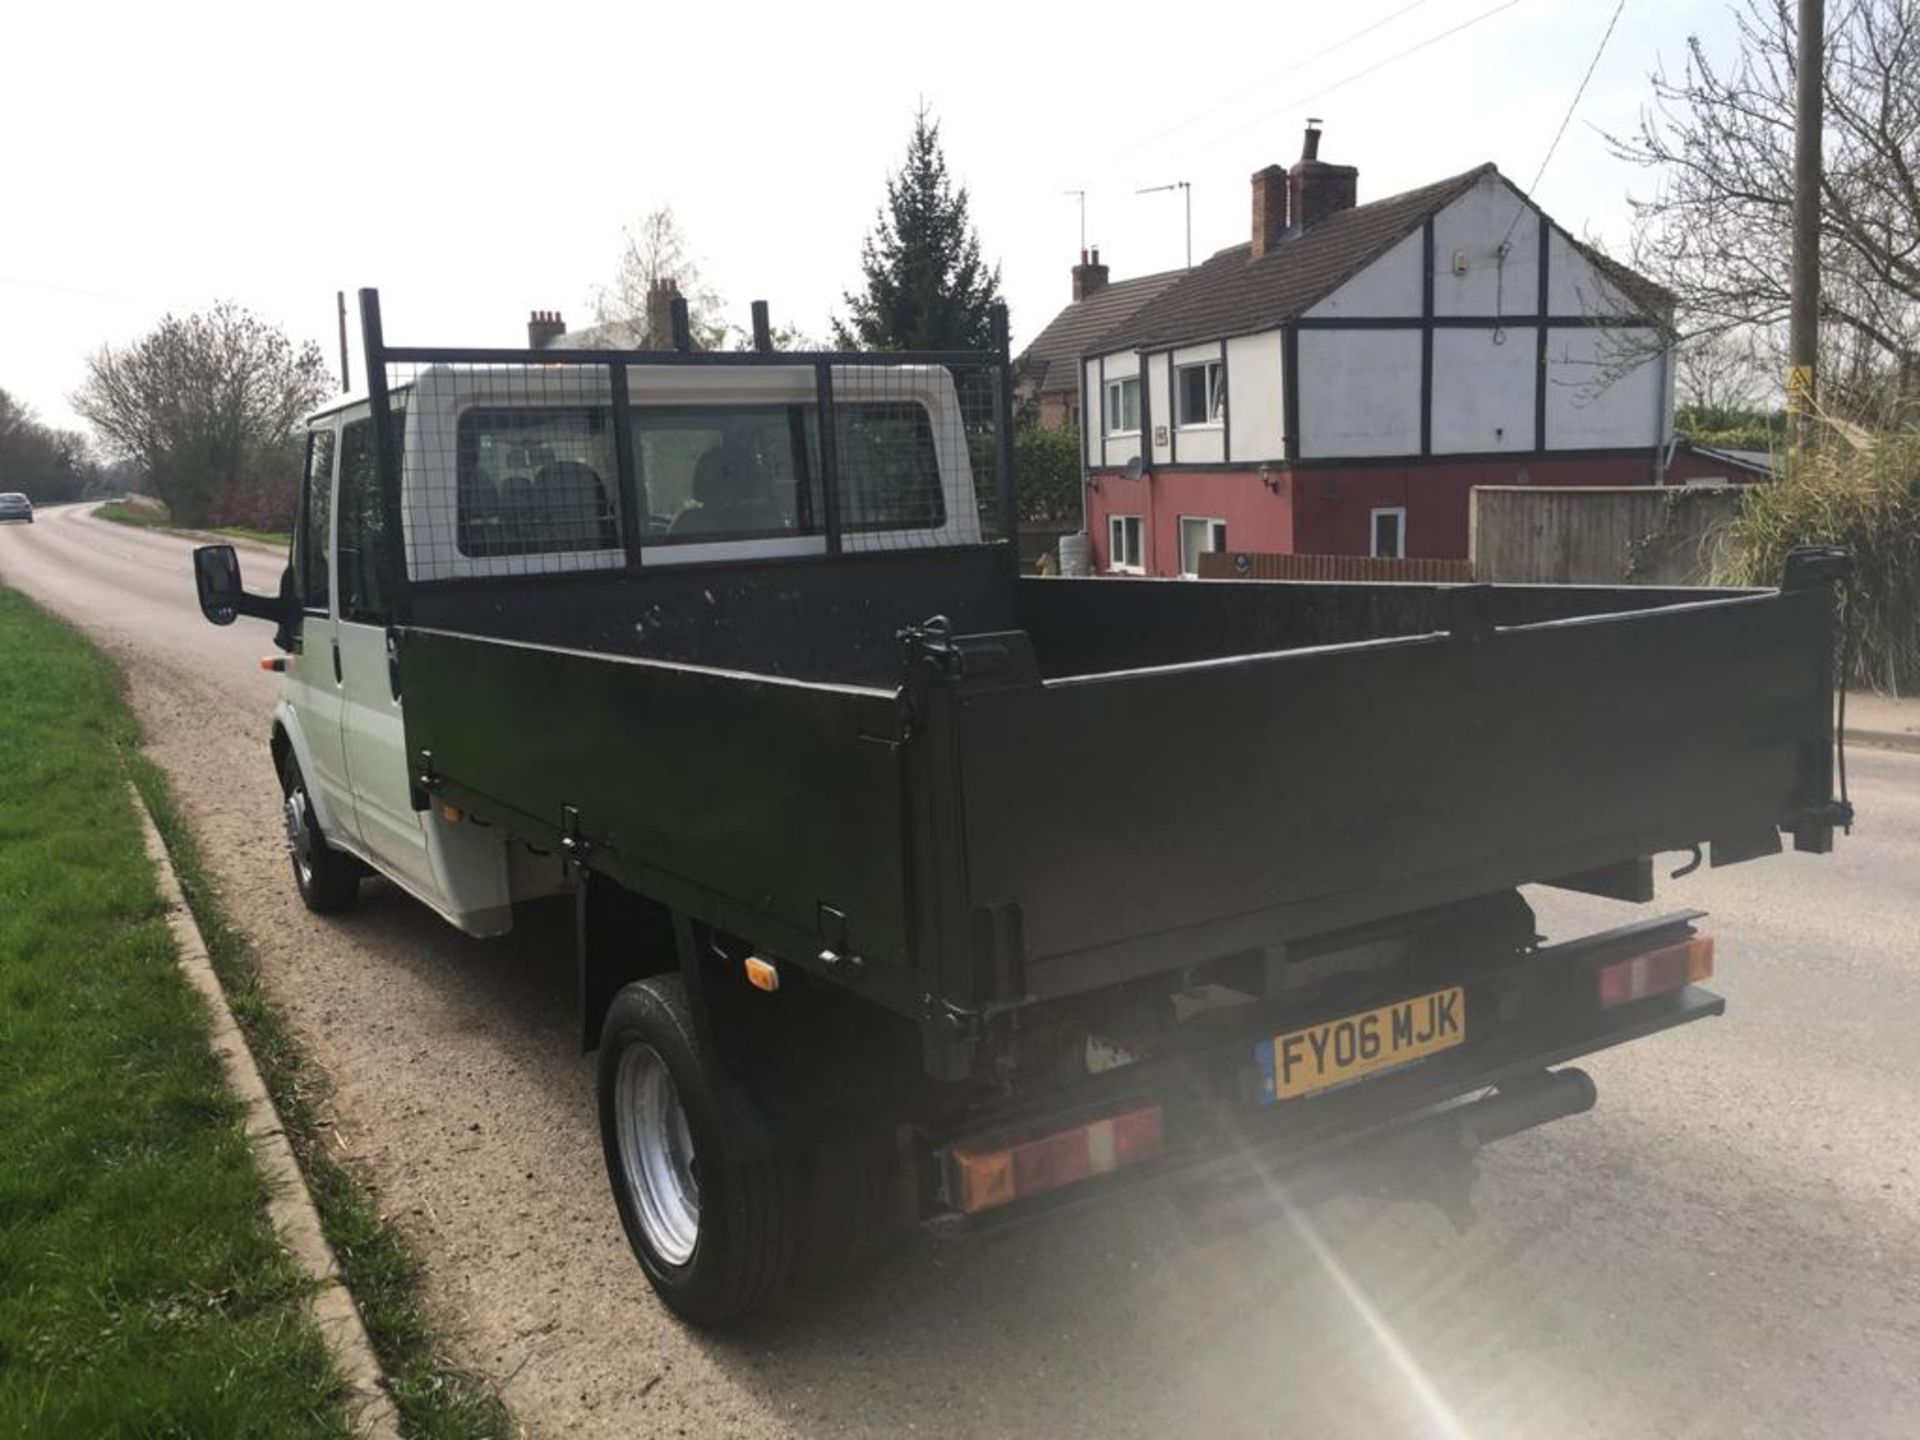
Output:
(1328, 510)
(1332, 507)
(1257, 518)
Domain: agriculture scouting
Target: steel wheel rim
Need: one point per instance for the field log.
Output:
(656, 1154)
(299, 833)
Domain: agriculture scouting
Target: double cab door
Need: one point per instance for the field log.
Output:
(343, 685)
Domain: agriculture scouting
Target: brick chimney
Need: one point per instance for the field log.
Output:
(544, 328)
(1089, 275)
(1269, 208)
(1316, 189)
(660, 297)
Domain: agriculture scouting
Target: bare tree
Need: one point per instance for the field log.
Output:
(1720, 373)
(48, 465)
(656, 261)
(1715, 231)
(210, 407)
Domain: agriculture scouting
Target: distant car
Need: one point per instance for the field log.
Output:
(15, 506)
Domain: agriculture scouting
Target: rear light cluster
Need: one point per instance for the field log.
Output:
(982, 1176)
(1656, 972)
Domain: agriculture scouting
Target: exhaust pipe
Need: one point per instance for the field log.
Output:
(1521, 1105)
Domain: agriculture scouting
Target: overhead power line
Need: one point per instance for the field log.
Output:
(1378, 65)
(1566, 119)
(59, 289)
(1301, 64)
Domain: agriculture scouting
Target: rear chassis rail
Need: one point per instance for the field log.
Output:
(1523, 1020)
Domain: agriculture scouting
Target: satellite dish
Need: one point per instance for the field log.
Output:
(1136, 467)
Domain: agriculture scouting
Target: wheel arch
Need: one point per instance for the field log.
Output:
(288, 740)
(619, 936)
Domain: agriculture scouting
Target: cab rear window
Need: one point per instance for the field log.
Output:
(544, 480)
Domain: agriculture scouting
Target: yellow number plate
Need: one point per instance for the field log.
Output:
(1302, 1061)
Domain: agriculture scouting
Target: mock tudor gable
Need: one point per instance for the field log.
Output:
(1404, 349)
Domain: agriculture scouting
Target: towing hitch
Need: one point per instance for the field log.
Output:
(1431, 1158)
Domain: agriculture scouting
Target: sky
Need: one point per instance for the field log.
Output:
(477, 161)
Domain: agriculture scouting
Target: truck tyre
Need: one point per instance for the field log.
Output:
(714, 1230)
(328, 881)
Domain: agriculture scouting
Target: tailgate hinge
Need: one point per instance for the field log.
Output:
(574, 846)
(424, 783)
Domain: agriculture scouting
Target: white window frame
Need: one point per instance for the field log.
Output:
(1115, 528)
(1216, 540)
(1116, 388)
(1373, 531)
(1216, 395)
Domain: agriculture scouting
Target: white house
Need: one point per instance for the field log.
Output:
(1338, 383)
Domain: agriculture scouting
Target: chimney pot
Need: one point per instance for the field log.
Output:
(1089, 276)
(1315, 188)
(544, 327)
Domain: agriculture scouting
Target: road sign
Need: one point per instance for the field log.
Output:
(1799, 387)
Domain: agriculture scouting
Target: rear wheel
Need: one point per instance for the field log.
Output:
(714, 1228)
(328, 880)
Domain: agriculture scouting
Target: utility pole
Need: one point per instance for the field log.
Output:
(1803, 334)
(1186, 191)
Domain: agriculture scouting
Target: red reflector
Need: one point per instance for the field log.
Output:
(1136, 1136)
(1656, 972)
(981, 1177)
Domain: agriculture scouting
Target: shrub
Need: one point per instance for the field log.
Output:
(1865, 496)
(1046, 463)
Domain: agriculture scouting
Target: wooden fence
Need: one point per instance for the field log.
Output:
(1241, 565)
(1576, 535)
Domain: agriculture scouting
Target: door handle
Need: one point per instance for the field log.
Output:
(393, 664)
(338, 676)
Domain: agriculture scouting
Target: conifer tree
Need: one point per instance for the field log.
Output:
(926, 287)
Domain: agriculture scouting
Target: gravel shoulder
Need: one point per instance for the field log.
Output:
(1729, 1244)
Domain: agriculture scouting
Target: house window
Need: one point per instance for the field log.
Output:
(1200, 395)
(1123, 406)
(1125, 550)
(1389, 534)
(1199, 537)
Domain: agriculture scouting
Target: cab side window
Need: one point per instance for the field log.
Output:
(364, 542)
(310, 553)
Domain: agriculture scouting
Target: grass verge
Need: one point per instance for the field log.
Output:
(435, 1398)
(278, 539)
(142, 1288)
(123, 512)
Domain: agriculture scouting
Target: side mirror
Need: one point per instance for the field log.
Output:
(216, 571)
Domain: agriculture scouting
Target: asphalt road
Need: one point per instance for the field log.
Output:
(1728, 1245)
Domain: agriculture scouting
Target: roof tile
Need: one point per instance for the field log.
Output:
(1054, 355)
(1229, 294)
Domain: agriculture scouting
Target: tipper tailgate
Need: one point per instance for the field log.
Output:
(1144, 819)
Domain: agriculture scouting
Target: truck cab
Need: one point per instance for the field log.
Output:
(510, 474)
